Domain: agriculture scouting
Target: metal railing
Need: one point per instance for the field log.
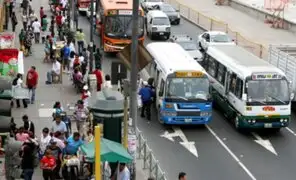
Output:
(212, 24)
(149, 161)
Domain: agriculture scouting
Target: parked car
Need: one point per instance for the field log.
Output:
(188, 45)
(88, 12)
(171, 12)
(150, 4)
(214, 38)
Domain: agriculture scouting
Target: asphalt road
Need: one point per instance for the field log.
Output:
(223, 153)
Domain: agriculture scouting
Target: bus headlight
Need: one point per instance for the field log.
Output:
(281, 120)
(253, 121)
(205, 113)
(167, 29)
(168, 113)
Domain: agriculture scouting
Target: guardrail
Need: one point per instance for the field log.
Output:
(211, 24)
(149, 161)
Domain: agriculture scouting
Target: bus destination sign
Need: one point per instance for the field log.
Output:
(266, 76)
(197, 74)
(125, 12)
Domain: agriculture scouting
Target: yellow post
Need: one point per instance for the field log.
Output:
(98, 153)
(125, 123)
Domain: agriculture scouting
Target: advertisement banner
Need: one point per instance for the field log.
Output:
(8, 62)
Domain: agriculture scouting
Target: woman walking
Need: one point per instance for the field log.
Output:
(48, 164)
(13, 21)
(17, 84)
(28, 162)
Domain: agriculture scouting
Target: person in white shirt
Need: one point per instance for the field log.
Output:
(107, 84)
(44, 140)
(123, 173)
(36, 29)
(17, 86)
(25, 21)
(32, 17)
(56, 70)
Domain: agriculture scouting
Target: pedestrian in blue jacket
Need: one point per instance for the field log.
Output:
(146, 94)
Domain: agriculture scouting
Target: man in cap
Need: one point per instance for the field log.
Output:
(146, 94)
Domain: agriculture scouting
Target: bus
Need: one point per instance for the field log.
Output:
(251, 92)
(182, 86)
(114, 24)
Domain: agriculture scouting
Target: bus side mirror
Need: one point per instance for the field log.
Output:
(244, 97)
(292, 95)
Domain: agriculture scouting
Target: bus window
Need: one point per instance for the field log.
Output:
(232, 83)
(212, 67)
(221, 74)
(239, 88)
(161, 88)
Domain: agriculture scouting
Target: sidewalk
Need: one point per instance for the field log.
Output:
(40, 112)
(249, 27)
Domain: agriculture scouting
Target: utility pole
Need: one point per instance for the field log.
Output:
(91, 58)
(134, 73)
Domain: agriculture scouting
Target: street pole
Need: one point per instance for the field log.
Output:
(91, 58)
(98, 153)
(134, 73)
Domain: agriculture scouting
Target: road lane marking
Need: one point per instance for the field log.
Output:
(291, 131)
(264, 143)
(231, 154)
(189, 145)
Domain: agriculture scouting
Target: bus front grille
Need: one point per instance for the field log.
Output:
(188, 113)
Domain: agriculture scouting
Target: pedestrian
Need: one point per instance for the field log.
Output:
(44, 23)
(27, 163)
(32, 82)
(32, 17)
(25, 21)
(36, 29)
(22, 35)
(11, 6)
(51, 28)
(28, 41)
(46, 50)
(55, 71)
(85, 95)
(107, 83)
(25, 5)
(57, 154)
(124, 173)
(12, 128)
(99, 76)
(84, 64)
(146, 94)
(81, 113)
(13, 21)
(59, 22)
(17, 85)
(182, 176)
(44, 141)
(76, 15)
(48, 164)
(98, 57)
(41, 13)
(66, 57)
(59, 125)
(60, 139)
(21, 135)
(28, 124)
(73, 143)
(80, 40)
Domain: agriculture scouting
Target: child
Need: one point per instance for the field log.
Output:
(48, 164)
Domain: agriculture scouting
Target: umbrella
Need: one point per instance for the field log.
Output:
(110, 151)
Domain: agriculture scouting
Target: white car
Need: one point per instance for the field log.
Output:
(88, 12)
(150, 4)
(188, 45)
(214, 38)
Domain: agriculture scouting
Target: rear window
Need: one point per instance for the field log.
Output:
(160, 21)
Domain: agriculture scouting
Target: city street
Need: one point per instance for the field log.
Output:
(214, 152)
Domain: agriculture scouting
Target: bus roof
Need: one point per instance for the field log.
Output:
(240, 60)
(118, 4)
(171, 57)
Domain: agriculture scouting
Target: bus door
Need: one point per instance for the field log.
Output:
(118, 72)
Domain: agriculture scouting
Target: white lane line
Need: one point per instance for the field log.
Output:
(291, 131)
(232, 154)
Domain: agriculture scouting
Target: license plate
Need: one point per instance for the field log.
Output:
(268, 125)
(161, 33)
(188, 120)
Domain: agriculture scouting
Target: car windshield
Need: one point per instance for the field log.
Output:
(268, 91)
(121, 26)
(188, 88)
(167, 8)
(220, 38)
(188, 46)
(161, 21)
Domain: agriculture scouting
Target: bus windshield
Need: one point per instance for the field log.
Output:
(120, 26)
(188, 88)
(268, 91)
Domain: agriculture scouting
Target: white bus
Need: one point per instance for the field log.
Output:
(251, 92)
(182, 85)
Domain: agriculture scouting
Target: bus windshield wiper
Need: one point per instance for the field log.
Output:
(261, 102)
(276, 99)
(180, 97)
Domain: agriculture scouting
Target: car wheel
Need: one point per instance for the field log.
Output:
(178, 22)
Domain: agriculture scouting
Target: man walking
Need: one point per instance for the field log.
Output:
(80, 40)
(36, 29)
(32, 81)
(146, 94)
(28, 125)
